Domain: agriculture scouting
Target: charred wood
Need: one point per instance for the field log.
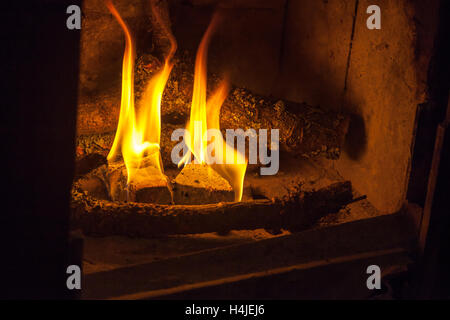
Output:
(296, 212)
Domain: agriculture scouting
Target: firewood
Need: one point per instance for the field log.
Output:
(94, 187)
(304, 130)
(148, 184)
(298, 211)
(200, 184)
(109, 182)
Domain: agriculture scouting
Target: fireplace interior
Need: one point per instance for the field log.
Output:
(349, 190)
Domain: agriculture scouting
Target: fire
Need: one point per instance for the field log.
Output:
(138, 133)
(204, 116)
(234, 169)
(137, 137)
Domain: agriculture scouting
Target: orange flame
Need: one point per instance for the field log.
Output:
(233, 170)
(139, 137)
(205, 115)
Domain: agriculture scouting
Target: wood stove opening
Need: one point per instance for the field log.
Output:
(343, 99)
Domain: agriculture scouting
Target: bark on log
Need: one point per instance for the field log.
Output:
(304, 130)
(299, 211)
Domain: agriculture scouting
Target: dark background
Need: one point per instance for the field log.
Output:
(38, 112)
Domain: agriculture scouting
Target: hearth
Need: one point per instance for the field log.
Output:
(251, 149)
(325, 118)
(264, 174)
(312, 127)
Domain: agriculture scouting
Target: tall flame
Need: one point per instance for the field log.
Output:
(232, 170)
(138, 133)
(205, 115)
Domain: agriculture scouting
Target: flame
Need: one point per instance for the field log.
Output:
(233, 170)
(137, 137)
(138, 133)
(205, 115)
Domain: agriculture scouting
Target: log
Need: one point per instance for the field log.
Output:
(298, 211)
(110, 182)
(148, 184)
(304, 130)
(200, 184)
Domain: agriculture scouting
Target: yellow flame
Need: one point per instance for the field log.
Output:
(138, 135)
(231, 170)
(205, 115)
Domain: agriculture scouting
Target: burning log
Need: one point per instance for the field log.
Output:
(304, 130)
(301, 194)
(299, 211)
(109, 182)
(148, 185)
(200, 184)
